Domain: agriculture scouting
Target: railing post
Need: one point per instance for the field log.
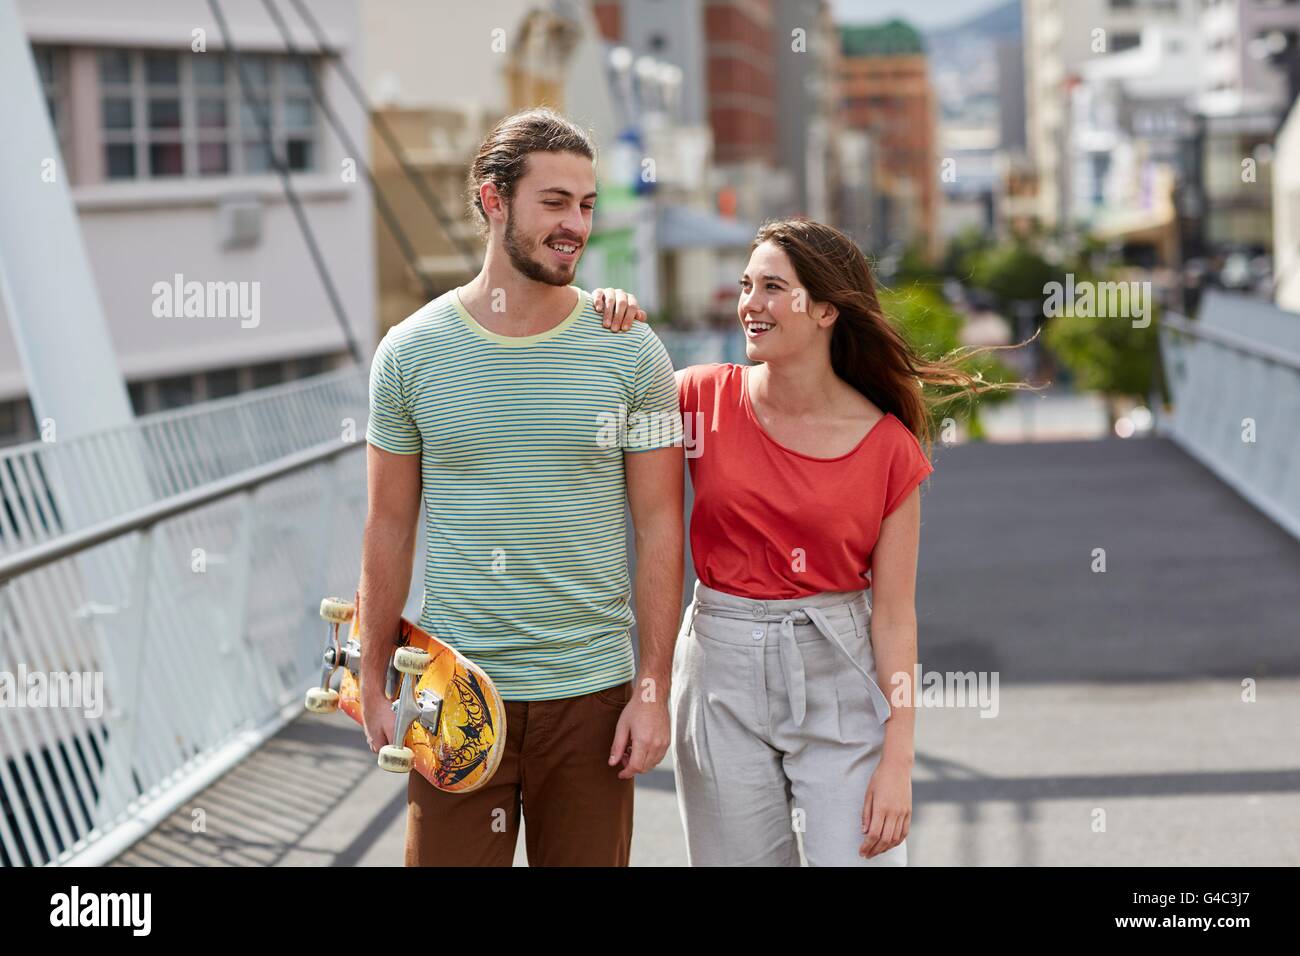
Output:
(127, 654)
(244, 558)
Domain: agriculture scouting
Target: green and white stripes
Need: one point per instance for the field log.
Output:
(524, 490)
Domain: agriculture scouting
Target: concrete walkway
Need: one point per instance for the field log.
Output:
(1147, 715)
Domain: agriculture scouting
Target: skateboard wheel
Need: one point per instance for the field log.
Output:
(396, 759)
(336, 610)
(322, 701)
(410, 660)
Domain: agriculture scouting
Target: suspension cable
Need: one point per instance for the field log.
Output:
(385, 211)
(390, 140)
(291, 197)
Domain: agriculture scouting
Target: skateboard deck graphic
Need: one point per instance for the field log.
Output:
(451, 722)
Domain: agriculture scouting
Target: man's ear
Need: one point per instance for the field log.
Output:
(491, 200)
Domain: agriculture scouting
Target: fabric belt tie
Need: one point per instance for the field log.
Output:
(792, 661)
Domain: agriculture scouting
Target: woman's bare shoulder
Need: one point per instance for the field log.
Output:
(861, 409)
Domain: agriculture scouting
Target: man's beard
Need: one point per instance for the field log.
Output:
(533, 269)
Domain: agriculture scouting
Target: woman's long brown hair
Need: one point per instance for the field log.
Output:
(867, 351)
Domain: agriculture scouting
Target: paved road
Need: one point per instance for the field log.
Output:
(1121, 735)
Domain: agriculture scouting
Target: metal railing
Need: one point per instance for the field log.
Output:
(1236, 404)
(53, 487)
(155, 633)
(158, 593)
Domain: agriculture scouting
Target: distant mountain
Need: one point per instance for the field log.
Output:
(1002, 22)
(964, 65)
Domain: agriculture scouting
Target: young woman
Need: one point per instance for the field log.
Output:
(805, 468)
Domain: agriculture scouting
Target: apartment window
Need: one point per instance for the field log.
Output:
(271, 373)
(1124, 41)
(169, 113)
(306, 367)
(223, 382)
(17, 423)
(211, 114)
(175, 392)
(1123, 4)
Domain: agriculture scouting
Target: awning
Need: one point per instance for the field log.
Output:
(680, 227)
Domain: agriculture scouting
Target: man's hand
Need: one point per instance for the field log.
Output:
(620, 308)
(378, 719)
(641, 738)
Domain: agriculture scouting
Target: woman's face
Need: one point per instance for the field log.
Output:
(775, 312)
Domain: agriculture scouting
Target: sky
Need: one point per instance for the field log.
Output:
(925, 14)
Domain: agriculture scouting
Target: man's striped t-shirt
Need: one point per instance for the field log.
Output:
(521, 442)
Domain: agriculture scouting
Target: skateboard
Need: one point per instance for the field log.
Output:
(451, 722)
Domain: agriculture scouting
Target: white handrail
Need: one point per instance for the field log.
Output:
(176, 617)
(1236, 403)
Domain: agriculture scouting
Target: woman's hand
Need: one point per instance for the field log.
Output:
(887, 810)
(620, 308)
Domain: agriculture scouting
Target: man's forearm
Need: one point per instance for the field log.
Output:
(658, 605)
(387, 556)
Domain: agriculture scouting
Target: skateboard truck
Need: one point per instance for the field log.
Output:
(410, 707)
(424, 708)
(444, 705)
(323, 699)
(407, 666)
(347, 654)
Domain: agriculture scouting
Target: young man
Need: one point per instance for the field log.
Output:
(512, 411)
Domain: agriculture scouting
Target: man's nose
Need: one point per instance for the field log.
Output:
(575, 224)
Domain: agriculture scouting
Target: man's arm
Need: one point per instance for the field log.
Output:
(654, 494)
(387, 559)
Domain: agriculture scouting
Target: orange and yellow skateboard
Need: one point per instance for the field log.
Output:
(451, 722)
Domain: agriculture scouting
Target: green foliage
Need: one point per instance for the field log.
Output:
(1106, 354)
(963, 248)
(932, 328)
(1013, 272)
(915, 269)
(928, 323)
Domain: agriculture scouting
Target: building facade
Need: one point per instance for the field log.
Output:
(173, 184)
(885, 90)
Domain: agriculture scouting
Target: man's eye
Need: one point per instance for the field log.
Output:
(589, 208)
(553, 202)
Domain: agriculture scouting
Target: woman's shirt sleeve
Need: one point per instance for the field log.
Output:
(908, 467)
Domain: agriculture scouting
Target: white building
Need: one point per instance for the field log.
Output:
(1129, 117)
(1286, 214)
(1059, 37)
(1244, 97)
(1237, 75)
(169, 178)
